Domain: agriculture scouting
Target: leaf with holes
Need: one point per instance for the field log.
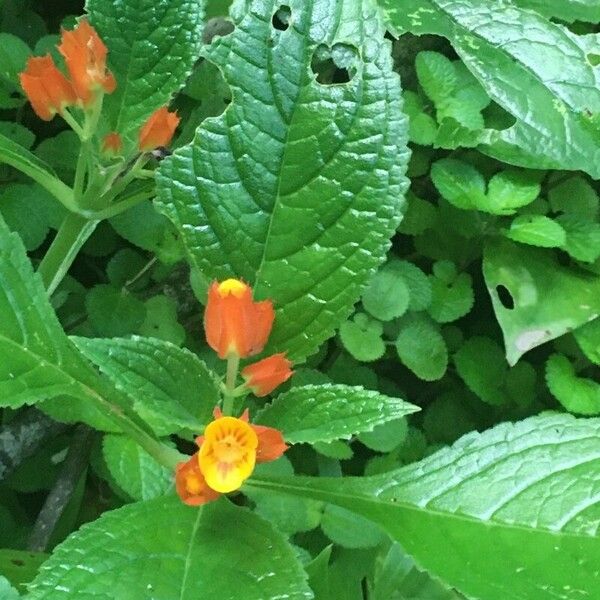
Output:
(538, 71)
(151, 57)
(322, 413)
(509, 513)
(545, 298)
(297, 188)
(162, 548)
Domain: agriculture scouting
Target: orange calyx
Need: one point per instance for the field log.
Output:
(264, 376)
(158, 129)
(235, 325)
(191, 485)
(85, 57)
(47, 89)
(112, 143)
(228, 453)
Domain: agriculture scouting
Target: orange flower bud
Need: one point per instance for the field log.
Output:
(85, 57)
(48, 90)
(234, 323)
(112, 143)
(191, 485)
(228, 453)
(264, 376)
(158, 129)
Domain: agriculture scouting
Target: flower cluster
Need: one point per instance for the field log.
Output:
(50, 92)
(236, 327)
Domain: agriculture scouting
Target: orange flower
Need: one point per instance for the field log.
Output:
(85, 57)
(112, 143)
(264, 376)
(48, 90)
(158, 129)
(191, 485)
(234, 323)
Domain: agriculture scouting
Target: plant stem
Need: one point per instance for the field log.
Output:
(233, 363)
(71, 236)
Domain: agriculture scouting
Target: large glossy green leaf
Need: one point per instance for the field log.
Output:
(509, 513)
(152, 49)
(171, 388)
(39, 362)
(322, 413)
(20, 158)
(535, 69)
(542, 298)
(565, 10)
(298, 186)
(164, 549)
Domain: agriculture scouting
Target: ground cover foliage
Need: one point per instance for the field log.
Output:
(414, 186)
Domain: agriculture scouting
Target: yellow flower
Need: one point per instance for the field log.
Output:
(228, 453)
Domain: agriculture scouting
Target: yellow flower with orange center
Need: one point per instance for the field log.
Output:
(228, 453)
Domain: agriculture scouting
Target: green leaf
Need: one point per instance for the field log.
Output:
(300, 188)
(20, 567)
(134, 470)
(318, 574)
(544, 80)
(420, 216)
(349, 530)
(575, 195)
(565, 10)
(417, 282)
(543, 299)
(161, 320)
(451, 300)
(361, 337)
(20, 209)
(113, 312)
(150, 58)
(7, 592)
(22, 159)
(38, 360)
(578, 395)
(421, 348)
(488, 516)
(436, 75)
(459, 182)
(387, 296)
(322, 413)
(588, 339)
(536, 230)
(171, 388)
(385, 437)
(511, 189)
(164, 548)
(398, 578)
(481, 365)
(336, 449)
(582, 237)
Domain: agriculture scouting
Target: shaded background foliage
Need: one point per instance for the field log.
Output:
(443, 324)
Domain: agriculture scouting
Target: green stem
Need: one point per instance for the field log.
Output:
(233, 363)
(80, 172)
(72, 234)
(164, 455)
(119, 207)
(73, 124)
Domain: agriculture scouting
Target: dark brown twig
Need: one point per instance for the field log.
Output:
(75, 463)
